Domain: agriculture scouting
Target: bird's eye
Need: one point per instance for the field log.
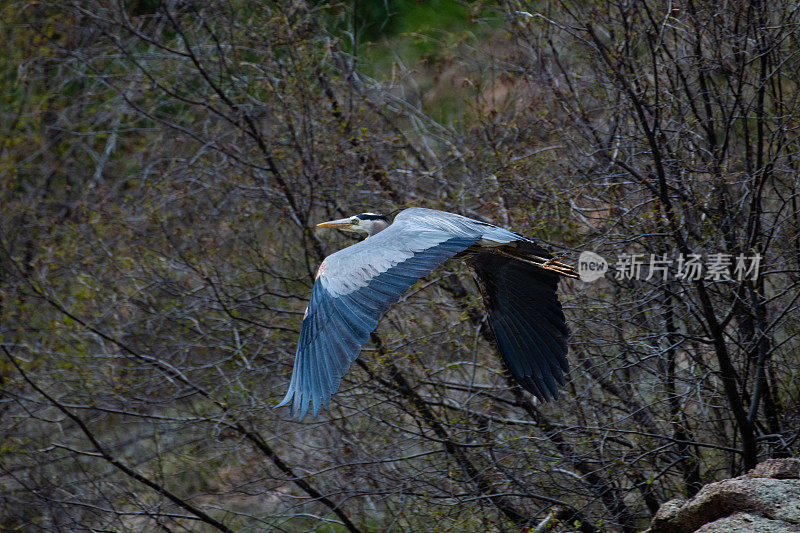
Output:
(354, 222)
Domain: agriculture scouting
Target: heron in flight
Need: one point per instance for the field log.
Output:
(355, 286)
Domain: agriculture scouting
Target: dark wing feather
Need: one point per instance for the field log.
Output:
(527, 320)
(341, 314)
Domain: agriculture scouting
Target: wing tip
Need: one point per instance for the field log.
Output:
(298, 404)
(287, 398)
(544, 392)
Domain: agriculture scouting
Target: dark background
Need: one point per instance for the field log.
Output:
(162, 165)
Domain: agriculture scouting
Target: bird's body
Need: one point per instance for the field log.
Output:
(357, 284)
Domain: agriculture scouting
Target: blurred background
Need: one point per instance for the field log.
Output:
(163, 163)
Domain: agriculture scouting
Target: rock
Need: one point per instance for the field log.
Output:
(766, 499)
(747, 523)
(777, 469)
(668, 512)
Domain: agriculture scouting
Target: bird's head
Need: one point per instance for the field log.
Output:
(365, 223)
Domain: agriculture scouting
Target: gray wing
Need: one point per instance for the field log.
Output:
(356, 285)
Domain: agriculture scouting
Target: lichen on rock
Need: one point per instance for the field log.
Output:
(765, 499)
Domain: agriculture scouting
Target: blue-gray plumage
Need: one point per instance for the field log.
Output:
(357, 285)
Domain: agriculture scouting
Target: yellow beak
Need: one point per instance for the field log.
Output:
(341, 223)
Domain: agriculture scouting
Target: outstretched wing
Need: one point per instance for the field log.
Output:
(527, 321)
(356, 285)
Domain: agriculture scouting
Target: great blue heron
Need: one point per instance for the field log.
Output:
(356, 285)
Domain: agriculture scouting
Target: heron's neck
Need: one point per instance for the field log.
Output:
(376, 226)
